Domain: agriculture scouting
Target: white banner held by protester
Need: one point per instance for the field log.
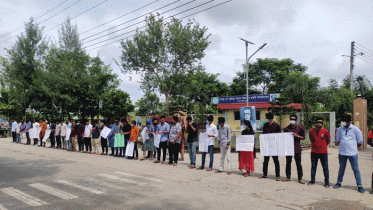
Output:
(157, 140)
(105, 132)
(144, 135)
(34, 133)
(68, 133)
(129, 149)
(276, 144)
(245, 143)
(46, 136)
(203, 142)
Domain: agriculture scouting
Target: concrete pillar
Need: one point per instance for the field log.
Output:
(360, 118)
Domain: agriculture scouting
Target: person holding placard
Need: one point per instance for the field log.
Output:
(148, 140)
(175, 140)
(349, 137)
(126, 131)
(320, 138)
(212, 133)
(192, 131)
(119, 141)
(164, 129)
(134, 138)
(111, 137)
(246, 158)
(43, 127)
(35, 127)
(104, 140)
(271, 127)
(225, 145)
(299, 134)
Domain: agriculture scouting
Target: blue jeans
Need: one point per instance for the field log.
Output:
(192, 152)
(354, 165)
(18, 136)
(68, 144)
(211, 153)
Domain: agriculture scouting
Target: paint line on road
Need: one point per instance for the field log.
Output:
(25, 198)
(157, 180)
(2, 207)
(53, 191)
(119, 178)
(80, 187)
(103, 184)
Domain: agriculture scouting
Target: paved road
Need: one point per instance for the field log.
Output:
(42, 178)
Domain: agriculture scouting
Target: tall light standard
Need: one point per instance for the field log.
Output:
(247, 66)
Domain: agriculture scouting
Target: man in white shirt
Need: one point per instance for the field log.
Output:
(14, 129)
(87, 136)
(57, 134)
(36, 127)
(63, 134)
(212, 133)
(225, 145)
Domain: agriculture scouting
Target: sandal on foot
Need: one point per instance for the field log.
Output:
(262, 177)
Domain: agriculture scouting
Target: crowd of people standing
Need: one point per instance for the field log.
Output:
(87, 136)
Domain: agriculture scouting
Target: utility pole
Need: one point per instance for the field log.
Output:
(352, 66)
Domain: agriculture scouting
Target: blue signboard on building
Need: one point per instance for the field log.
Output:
(242, 99)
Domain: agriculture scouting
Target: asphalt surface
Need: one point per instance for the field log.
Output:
(43, 178)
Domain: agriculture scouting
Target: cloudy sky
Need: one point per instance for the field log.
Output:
(315, 33)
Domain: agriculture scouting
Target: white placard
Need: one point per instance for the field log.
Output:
(203, 142)
(34, 133)
(277, 144)
(46, 136)
(157, 140)
(68, 133)
(129, 149)
(144, 135)
(105, 132)
(245, 143)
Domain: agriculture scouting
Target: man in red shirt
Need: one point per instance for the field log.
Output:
(370, 142)
(320, 138)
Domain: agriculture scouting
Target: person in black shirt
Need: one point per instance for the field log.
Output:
(127, 133)
(192, 131)
(271, 127)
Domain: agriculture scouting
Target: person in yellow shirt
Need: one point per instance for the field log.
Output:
(135, 138)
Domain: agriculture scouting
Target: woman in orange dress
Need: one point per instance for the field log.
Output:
(246, 158)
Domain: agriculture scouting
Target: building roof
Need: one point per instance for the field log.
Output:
(262, 105)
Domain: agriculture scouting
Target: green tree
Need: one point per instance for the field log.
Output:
(149, 105)
(238, 86)
(163, 52)
(269, 74)
(24, 66)
(116, 104)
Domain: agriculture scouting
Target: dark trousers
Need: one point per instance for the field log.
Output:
(14, 135)
(135, 151)
(163, 146)
(41, 141)
(88, 145)
(324, 163)
(28, 138)
(112, 151)
(51, 137)
(81, 143)
(120, 149)
(36, 141)
(58, 140)
(211, 153)
(174, 152)
(298, 162)
(104, 145)
(277, 165)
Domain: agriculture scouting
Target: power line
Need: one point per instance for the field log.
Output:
(144, 25)
(131, 20)
(337, 70)
(51, 16)
(119, 17)
(80, 14)
(365, 60)
(364, 47)
(36, 18)
(178, 19)
(365, 53)
(142, 21)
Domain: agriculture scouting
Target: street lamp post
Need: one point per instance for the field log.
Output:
(247, 66)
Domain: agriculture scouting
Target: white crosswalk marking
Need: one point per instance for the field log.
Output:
(119, 178)
(2, 207)
(25, 198)
(104, 184)
(54, 191)
(79, 186)
(157, 180)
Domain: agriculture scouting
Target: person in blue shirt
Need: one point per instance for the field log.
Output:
(349, 138)
(14, 129)
(111, 137)
(51, 136)
(28, 127)
(163, 128)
